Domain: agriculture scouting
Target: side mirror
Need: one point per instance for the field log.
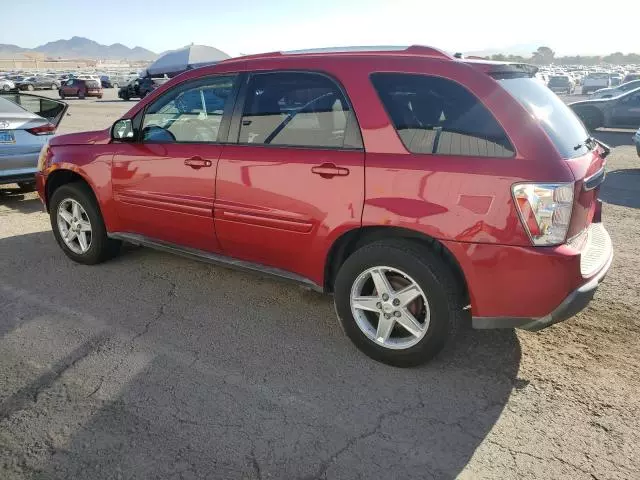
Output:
(122, 131)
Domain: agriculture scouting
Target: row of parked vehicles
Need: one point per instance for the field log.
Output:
(454, 174)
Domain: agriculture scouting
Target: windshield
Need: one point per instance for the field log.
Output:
(563, 127)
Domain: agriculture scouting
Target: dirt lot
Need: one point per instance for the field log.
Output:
(153, 366)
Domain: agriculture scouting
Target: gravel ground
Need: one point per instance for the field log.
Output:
(153, 366)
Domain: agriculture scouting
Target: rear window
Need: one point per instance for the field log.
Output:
(563, 127)
(92, 84)
(434, 115)
(558, 80)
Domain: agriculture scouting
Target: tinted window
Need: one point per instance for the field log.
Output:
(439, 116)
(295, 108)
(191, 112)
(562, 125)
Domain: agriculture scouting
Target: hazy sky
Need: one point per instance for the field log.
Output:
(247, 26)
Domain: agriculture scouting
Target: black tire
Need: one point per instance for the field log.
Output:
(591, 117)
(62, 96)
(434, 277)
(81, 95)
(27, 187)
(101, 247)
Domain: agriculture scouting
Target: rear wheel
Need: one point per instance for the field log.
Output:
(6, 88)
(591, 117)
(62, 95)
(78, 227)
(81, 95)
(31, 88)
(53, 86)
(397, 302)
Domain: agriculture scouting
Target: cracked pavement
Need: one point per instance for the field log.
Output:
(155, 366)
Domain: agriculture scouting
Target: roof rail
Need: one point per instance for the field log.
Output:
(413, 50)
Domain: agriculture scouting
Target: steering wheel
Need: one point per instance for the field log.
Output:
(156, 134)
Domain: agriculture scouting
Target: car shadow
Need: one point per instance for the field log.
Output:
(622, 187)
(614, 138)
(213, 373)
(14, 199)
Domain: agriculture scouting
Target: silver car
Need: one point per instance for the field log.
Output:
(6, 85)
(26, 124)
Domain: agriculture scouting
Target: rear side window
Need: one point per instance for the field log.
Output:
(302, 109)
(435, 115)
(559, 122)
(92, 84)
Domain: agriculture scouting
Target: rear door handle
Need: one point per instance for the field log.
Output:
(329, 170)
(197, 162)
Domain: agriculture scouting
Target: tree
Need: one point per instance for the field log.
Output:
(543, 56)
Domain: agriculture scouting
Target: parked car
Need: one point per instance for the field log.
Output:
(77, 87)
(7, 85)
(561, 84)
(615, 91)
(37, 83)
(631, 77)
(447, 199)
(105, 81)
(595, 81)
(615, 79)
(636, 140)
(622, 111)
(27, 122)
(138, 88)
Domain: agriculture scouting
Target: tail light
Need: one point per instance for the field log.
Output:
(545, 210)
(46, 129)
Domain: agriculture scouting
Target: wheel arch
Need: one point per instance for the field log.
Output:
(61, 177)
(356, 238)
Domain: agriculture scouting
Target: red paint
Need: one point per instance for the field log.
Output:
(285, 207)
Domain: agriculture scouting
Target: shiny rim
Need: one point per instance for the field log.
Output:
(390, 307)
(74, 226)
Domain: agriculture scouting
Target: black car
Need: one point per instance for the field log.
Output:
(617, 112)
(138, 88)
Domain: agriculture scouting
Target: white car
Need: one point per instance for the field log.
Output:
(615, 91)
(6, 84)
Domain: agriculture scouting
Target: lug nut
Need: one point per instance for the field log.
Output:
(379, 305)
(397, 313)
(387, 315)
(396, 302)
(385, 297)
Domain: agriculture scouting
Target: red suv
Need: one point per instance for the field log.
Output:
(81, 88)
(423, 191)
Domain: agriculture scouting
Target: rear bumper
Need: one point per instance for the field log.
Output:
(575, 301)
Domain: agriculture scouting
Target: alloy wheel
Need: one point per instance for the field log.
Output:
(74, 226)
(389, 307)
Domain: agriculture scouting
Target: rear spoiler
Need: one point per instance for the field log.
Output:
(501, 71)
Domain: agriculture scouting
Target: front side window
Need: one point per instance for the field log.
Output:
(435, 115)
(297, 109)
(191, 112)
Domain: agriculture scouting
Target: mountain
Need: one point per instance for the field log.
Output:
(80, 47)
(524, 50)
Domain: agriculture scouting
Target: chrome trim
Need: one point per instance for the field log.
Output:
(214, 258)
(593, 181)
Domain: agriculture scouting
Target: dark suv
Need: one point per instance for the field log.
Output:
(423, 191)
(81, 88)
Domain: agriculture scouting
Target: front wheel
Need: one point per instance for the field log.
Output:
(31, 88)
(6, 88)
(78, 227)
(398, 302)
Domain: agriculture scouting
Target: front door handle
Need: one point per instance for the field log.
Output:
(197, 162)
(329, 170)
